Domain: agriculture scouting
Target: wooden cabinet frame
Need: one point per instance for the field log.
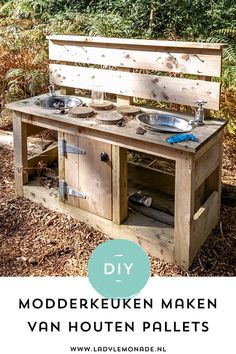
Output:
(179, 244)
(197, 164)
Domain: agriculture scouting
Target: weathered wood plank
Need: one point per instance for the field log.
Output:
(161, 88)
(119, 184)
(135, 42)
(20, 153)
(211, 184)
(219, 172)
(61, 165)
(95, 177)
(122, 99)
(151, 178)
(208, 77)
(151, 142)
(96, 187)
(154, 236)
(177, 60)
(103, 133)
(184, 209)
(206, 135)
(78, 167)
(200, 196)
(210, 142)
(205, 219)
(216, 181)
(207, 164)
(72, 170)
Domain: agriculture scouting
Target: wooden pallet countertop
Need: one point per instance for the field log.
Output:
(118, 135)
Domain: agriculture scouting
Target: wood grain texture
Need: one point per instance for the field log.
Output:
(209, 143)
(217, 185)
(103, 106)
(200, 196)
(95, 178)
(89, 175)
(20, 153)
(155, 237)
(207, 112)
(80, 112)
(211, 184)
(122, 99)
(108, 118)
(175, 60)
(184, 209)
(119, 184)
(151, 142)
(151, 179)
(206, 164)
(161, 88)
(206, 135)
(128, 110)
(135, 42)
(61, 165)
(72, 170)
(205, 219)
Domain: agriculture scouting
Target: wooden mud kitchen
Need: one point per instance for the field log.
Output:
(107, 157)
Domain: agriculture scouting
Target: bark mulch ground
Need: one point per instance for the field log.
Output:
(35, 241)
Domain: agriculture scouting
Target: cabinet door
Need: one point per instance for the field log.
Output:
(89, 175)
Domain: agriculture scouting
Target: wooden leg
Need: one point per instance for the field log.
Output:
(119, 184)
(220, 172)
(20, 153)
(61, 166)
(184, 209)
(207, 175)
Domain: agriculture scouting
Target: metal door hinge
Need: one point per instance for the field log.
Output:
(64, 190)
(64, 148)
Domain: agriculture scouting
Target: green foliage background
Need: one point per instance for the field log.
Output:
(24, 25)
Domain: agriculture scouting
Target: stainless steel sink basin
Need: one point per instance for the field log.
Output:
(164, 122)
(58, 102)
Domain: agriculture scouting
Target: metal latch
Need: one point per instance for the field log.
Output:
(64, 148)
(66, 190)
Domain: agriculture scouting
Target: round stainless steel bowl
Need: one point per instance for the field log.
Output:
(58, 102)
(163, 122)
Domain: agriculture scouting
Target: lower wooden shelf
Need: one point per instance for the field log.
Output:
(155, 237)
